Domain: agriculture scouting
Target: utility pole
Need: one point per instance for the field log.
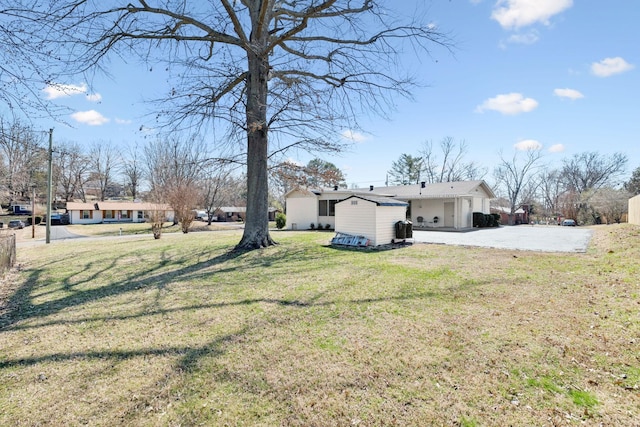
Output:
(49, 185)
(33, 212)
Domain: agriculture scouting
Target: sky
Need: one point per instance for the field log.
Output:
(561, 76)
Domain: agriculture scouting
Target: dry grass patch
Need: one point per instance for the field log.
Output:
(182, 332)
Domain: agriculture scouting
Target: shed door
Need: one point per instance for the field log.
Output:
(448, 214)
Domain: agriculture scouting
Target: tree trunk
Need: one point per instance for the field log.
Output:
(256, 227)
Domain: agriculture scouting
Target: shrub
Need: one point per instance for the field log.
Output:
(479, 219)
(281, 220)
(327, 226)
(319, 226)
(312, 226)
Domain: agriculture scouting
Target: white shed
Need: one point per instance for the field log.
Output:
(373, 217)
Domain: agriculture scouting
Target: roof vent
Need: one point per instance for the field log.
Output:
(371, 188)
(335, 188)
(423, 184)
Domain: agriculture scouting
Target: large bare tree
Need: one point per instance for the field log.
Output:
(24, 58)
(132, 171)
(585, 173)
(22, 157)
(296, 70)
(103, 160)
(172, 169)
(592, 170)
(71, 167)
(452, 166)
(516, 177)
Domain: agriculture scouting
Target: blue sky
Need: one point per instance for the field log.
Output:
(560, 75)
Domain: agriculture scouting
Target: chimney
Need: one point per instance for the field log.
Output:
(423, 184)
(371, 188)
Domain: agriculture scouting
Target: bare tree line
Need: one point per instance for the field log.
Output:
(587, 186)
(173, 171)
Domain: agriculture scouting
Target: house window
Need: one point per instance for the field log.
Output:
(140, 214)
(108, 214)
(323, 207)
(86, 214)
(332, 207)
(327, 207)
(125, 214)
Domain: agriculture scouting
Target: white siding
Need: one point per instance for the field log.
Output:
(302, 210)
(358, 219)
(466, 217)
(365, 218)
(481, 204)
(386, 218)
(74, 218)
(634, 210)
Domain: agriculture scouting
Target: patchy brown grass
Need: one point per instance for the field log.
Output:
(182, 332)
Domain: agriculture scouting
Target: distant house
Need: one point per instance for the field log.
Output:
(20, 208)
(445, 206)
(230, 213)
(237, 213)
(114, 211)
(520, 216)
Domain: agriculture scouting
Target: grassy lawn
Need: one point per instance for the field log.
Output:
(180, 331)
(115, 229)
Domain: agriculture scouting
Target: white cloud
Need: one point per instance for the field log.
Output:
(513, 14)
(123, 121)
(91, 118)
(568, 93)
(94, 97)
(610, 66)
(526, 38)
(353, 136)
(527, 145)
(556, 148)
(55, 91)
(510, 103)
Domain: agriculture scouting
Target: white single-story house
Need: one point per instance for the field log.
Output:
(373, 217)
(114, 211)
(445, 205)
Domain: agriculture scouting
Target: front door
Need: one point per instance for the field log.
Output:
(449, 214)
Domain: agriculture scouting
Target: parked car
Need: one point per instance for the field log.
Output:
(569, 223)
(16, 223)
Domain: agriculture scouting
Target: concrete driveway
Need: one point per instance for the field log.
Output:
(522, 237)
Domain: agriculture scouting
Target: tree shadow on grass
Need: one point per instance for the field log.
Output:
(20, 305)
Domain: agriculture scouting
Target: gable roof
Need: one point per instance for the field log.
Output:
(436, 190)
(378, 200)
(412, 191)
